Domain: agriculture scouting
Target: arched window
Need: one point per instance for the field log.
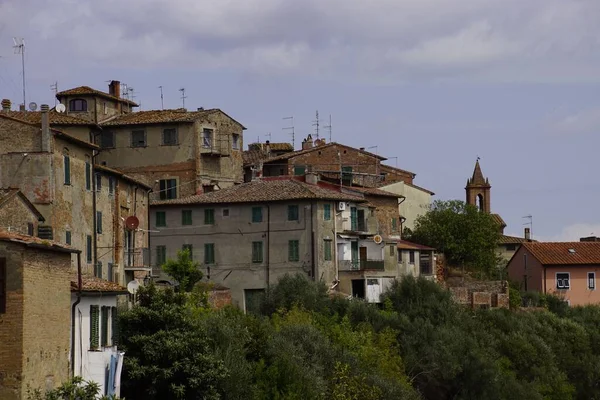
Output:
(480, 203)
(78, 105)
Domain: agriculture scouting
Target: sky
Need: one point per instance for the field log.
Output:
(434, 84)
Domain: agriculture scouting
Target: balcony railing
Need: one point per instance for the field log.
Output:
(361, 265)
(136, 259)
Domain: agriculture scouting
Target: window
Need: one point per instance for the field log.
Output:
(186, 217)
(67, 165)
(190, 249)
(88, 249)
(563, 280)
(30, 229)
(299, 170)
(293, 213)
(209, 216)
(114, 337)
(138, 138)
(98, 269)
(235, 141)
(88, 175)
(111, 185)
(327, 249)
(110, 272)
(252, 300)
(293, 250)
(98, 221)
(94, 327)
(107, 140)
(207, 138)
(2, 285)
(399, 256)
(168, 189)
(257, 252)
(169, 137)
(78, 105)
(209, 253)
(161, 255)
(98, 182)
(104, 325)
(394, 224)
(347, 176)
(226, 212)
(105, 108)
(411, 256)
(591, 280)
(353, 219)
(161, 218)
(257, 214)
(392, 251)
(68, 237)
(327, 212)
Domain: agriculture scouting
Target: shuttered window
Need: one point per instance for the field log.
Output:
(99, 221)
(67, 165)
(98, 183)
(327, 249)
(209, 253)
(98, 269)
(88, 176)
(257, 252)
(104, 325)
(161, 218)
(94, 327)
(110, 272)
(114, 325)
(2, 285)
(293, 250)
(293, 213)
(186, 217)
(209, 216)
(161, 255)
(257, 214)
(327, 212)
(190, 249)
(88, 249)
(68, 237)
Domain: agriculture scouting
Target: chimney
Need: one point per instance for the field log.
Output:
(114, 89)
(527, 234)
(268, 148)
(45, 128)
(311, 178)
(307, 143)
(590, 239)
(21, 107)
(200, 108)
(5, 105)
(362, 149)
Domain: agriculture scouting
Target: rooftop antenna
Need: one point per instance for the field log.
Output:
(316, 124)
(394, 158)
(269, 136)
(131, 90)
(328, 127)
(287, 128)
(376, 160)
(183, 96)
(162, 104)
(125, 91)
(530, 223)
(54, 88)
(19, 47)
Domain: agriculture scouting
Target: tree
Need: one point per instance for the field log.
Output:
(466, 236)
(184, 270)
(76, 388)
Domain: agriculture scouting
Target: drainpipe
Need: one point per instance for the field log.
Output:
(268, 245)
(73, 308)
(148, 223)
(312, 241)
(335, 254)
(94, 217)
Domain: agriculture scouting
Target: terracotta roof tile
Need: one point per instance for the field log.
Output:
(372, 191)
(56, 118)
(179, 115)
(406, 245)
(33, 241)
(278, 146)
(498, 219)
(565, 253)
(296, 153)
(83, 90)
(264, 191)
(505, 239)
(389, 168)
(121, 175)
(252, 157)
(94, 284)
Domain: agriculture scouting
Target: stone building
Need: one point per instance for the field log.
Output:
(178, 152)
(35, 314)
(17, 213)
(82, 204)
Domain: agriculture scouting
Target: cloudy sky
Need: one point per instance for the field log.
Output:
(434, 83)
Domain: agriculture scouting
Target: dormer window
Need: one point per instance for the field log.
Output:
(78, 105)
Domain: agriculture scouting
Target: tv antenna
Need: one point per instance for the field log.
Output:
(19, 47)
(288, 128)
(530, 223)
(328, 127)
(316, 124)
(132, 92)
(162, 104)
(183, 96)
(54, 88)
(269, 136)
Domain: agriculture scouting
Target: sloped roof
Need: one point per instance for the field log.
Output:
(36, 242)
(498, 219)
(478, 178)
(55, 118)
(372, 191)
(252, 157)
(264, 191)
(121, 175)
(564, 253)
(505, 239)
(9, 193)
(385, 167)
(86, 90)
(406, 245)
(275, 146)
(296, 153)
(93, 284)
(178, 115)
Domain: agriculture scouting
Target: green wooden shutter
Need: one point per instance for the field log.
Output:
(293, 213)
(161, 255)
(209, 216)
(88, 176)
(327, 248)
(256, 214)
(293, 250)
(161, 218)
(88, 249)
(67, 162)
(186, 217)
(104, 326)
(353, 219)
(114, 322)
(2, 285)
(326, 212)
(209, 253)
(94, 327)
(257, 252)
(99, 221)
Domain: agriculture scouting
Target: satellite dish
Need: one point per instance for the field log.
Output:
(132, 222)
(377, 239)
(33, 106)
(60, 108)
(133, 286)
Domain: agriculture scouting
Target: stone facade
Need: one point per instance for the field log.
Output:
(17, 214)
(38, 302)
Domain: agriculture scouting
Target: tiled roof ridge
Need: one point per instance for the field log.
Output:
(90, 90)
(565, 253)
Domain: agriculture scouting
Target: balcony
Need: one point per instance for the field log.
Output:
(136, 259)
(361, 265)
(218, 146)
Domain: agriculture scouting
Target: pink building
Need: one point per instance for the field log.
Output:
(567, 269)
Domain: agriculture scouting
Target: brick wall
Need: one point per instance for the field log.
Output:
(386, 209)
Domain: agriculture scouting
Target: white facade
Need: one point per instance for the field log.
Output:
(94, 364)
(417, 201)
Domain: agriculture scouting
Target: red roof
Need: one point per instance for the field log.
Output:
(86, 90)
(94, 284)
(32, 241)
(564, 253)
(406, 245)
